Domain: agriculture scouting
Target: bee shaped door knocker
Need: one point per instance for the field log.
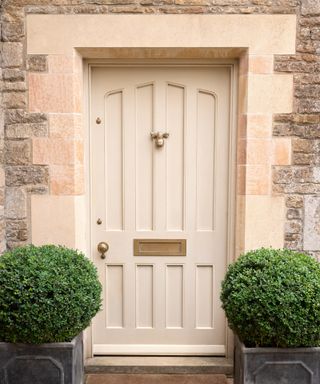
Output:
(159, 138)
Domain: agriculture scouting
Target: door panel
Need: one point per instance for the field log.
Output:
(160, 304)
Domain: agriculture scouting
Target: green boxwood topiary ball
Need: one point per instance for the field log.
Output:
(272, 299)
(47, 294)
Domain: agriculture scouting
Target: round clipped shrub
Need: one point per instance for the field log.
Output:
(47, 294)
(272, 299)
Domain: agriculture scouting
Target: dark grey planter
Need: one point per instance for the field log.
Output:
(53, 363)
(276, 365)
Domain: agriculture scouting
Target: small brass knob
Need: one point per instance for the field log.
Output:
(103, 249)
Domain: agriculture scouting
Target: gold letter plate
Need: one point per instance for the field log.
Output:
(159, 247)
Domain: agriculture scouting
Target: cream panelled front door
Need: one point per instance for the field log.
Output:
(164, 304)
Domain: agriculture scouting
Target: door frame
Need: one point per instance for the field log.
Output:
(232, 166)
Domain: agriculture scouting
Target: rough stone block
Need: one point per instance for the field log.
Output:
(309, 106)
(14, 86)
(192, 2)
(111, 2)
(12, 31)
(1, 119)
(37, 63)
(14, 99)
(18, 116)
(293, 238)
(16, 203)
(316, 174)
(293, 213)
(24, 131)
(12, 116)
(307, 91)
(15, 244)
(303, 188)
(302, 158)
(23, 175)
(126, 9)
(18, 152)
(13, 14)
(38, 189)
(315, 33)
(310, 7)
(313, 131)
(2, 183)
(311, 236)
(13, 74)
(294, 201)
(17, 230)
(1, 150)
(282, 175)
(12, 55)
(293, 226)
(2, 245)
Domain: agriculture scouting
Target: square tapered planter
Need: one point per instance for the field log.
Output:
(276, 365)
(52, 363)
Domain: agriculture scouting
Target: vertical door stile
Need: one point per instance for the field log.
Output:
(129, 145)
(98, 171)
(159, 154)
(98, 179)
(160, 195)
(190, 203)
(184, 159)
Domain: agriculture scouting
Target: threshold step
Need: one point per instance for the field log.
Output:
(155, 379)
(159, 365)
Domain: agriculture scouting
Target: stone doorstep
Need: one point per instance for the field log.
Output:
(155, 379)
(159, 365)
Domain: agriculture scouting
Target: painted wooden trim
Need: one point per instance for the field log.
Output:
(158, 349)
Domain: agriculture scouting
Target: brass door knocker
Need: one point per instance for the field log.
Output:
(159, 138)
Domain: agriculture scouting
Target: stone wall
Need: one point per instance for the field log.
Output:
(299, 182)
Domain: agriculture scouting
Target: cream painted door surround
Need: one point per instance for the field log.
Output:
(163, 188)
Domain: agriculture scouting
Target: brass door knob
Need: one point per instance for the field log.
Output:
(103, 249)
